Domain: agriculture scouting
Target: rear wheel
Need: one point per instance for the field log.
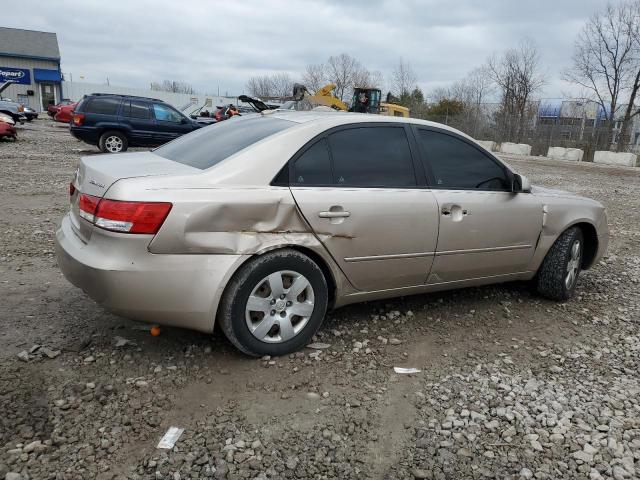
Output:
(274, 304)
(113, 142)
(558, 275)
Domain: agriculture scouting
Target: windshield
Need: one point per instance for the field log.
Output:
(210, 145)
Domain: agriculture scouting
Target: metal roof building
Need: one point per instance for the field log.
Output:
(31, 60)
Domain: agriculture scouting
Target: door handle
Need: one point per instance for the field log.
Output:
(455, 211)
(338, 214)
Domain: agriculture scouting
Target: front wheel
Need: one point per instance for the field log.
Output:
(558, 275)
(274, 304)
(113, 142)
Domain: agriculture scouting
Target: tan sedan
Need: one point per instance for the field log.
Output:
(262, 223)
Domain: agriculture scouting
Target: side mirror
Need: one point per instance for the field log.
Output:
(520, 184)
(185, 120)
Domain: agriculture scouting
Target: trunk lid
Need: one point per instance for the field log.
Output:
(96, 173)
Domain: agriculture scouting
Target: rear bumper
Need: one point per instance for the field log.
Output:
(86, 134)
(120, 273)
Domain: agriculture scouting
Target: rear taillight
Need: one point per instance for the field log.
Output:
(126, 217)
(78, 119)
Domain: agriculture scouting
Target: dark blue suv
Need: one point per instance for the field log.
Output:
(116, 122)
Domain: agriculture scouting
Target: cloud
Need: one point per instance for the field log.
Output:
(212, 44)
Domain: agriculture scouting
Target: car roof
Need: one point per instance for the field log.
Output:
(335, 119)
(124, 96)
(260, 162)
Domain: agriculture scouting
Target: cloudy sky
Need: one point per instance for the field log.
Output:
(220, 44)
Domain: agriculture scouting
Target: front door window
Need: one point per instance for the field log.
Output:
(165, 113)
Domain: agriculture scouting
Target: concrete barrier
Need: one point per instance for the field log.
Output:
(515, 148)
(561, 153)
(614, 158)
(488, 144)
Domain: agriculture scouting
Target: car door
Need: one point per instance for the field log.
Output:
(357, 188)
(485, 230)
(136, 116)
(170, 123)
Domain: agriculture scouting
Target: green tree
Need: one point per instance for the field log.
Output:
(445, 109)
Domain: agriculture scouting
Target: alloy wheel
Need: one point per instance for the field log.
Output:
(113, 144)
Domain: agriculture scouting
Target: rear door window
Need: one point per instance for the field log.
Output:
(103, 105)
(313, 167)
(208, 146)
(372, 157)
(137, 109)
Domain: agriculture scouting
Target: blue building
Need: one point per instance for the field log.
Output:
(31, 59)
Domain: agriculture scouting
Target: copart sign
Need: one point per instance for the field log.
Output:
(17, 75)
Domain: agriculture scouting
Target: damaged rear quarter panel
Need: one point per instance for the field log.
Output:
(241, 220)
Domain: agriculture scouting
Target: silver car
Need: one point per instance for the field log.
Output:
(263, 223)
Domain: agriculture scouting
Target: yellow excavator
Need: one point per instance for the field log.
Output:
(365, 100)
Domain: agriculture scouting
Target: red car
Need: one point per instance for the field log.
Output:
(65, 113)
(53, 109)
(7, 130)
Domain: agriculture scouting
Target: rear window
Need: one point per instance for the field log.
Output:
(136, 109)
(102, 105)
(210, 145)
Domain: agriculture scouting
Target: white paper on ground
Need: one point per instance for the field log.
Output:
(406, 370)
(170, 437)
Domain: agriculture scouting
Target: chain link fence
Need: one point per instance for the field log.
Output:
(571, 125)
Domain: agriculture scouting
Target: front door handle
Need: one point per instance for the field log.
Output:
(337, 214)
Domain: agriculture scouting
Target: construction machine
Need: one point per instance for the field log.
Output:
(322, 97)
(365, 100)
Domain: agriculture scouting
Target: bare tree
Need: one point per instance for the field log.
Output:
(440, 93)
(268, 86)
(314, 77)
(341, 71)
(403, 79)
(603, 60)
(367, 78)
(282, 85)
(517, 75)
(260, 86)
(472, 91)
(175, 86)
(631, 110)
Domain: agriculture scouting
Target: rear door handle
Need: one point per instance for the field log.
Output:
(453, 210)
(338, 214)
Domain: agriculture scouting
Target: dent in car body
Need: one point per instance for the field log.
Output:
(561, 210)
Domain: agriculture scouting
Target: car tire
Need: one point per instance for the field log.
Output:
(269, 324)
(113, 142)
(558, 275)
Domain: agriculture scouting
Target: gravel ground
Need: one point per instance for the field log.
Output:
(512, 386)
